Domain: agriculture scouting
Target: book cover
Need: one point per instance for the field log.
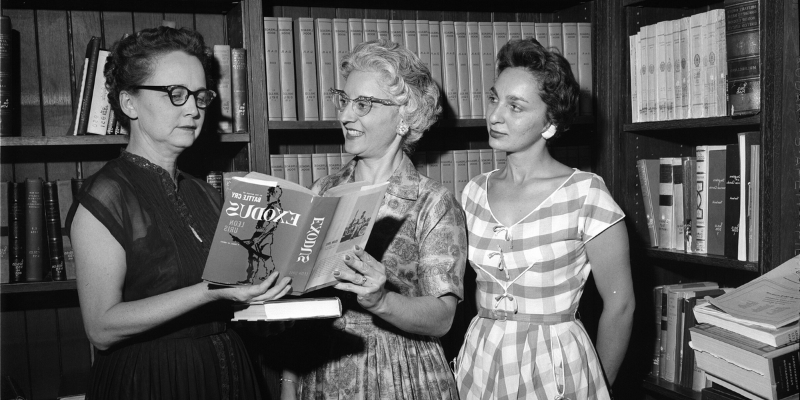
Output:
(270, 224)
(410, 35)
(291, 168)
(697, 80)
(396, 31)
(753, 204)
(424, 42)
(341, 47)
(462, 70)
(746, 140)
(288, 309)
(669, 106)
(488, 55)
(304, 170)
(686, 61)
(501, 36)
(700, 221)
(16, 231)
(319, 165)
(92, 54)
(370, 29)
(691, 376)
(633, 65)
(711, 60)
(355, 32)
(540, 33)
(450, 70)
(666, 216)
(474, 67)
(514, 30)
(649, 184)
(286, 48)
(677, 90)
(717, 184)
(678, 207)
(722, 67)
(383, 29)
(7, 99)
(657, 291)
(555, 41)
(644, 81)
(652, 82)
(435, 31)
(222, 54)
(306, 69)
(733, 183)
(486, 160)
(239, 90)
(99, 106)
(34, 225)
(56, 269)
(673, 344)
(272, 59)
(326, 68)
(743, 50)
(460, 170)
(334, 162)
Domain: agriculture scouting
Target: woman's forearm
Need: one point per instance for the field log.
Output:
(613, 334)
(425, 315)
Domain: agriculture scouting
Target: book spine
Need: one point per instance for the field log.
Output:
(319, 165)
(540, 32)
(450, 69)
(634, 73)
(424, 42)
(446, 161)
(700, 220)
(569, 32)
(288, 94)
(52, 221)
(677, 104)
(462, 70)
(222, 54)
(305, 177)
(410, 35)
(75, 121)
(716, 201)
(686, 65)
(473, 163)
(383, 29)
(488, 56)
(355, 32)
(671, 345)
(743, 56)
(486, 160)
(666, 226)
(662, 364)
(668, 73)
(555, 41)
(722, 78)
(327, 70)
(98, 112)
(276, 166)
(643, 81)
(677, 207)
(291, 168)
(8, 104)
(5, 265)
(306, 69)
(112, 122)
(733, 183)
(341, 47)
(396, 31)
(435, 30)
(434, 169)
(652, 82)
(784, 370)
(239, 90)
(334, 162)
(710, 60)
(460, 171)
(16, 231)
(654, 371)
(661, 72)
(370, 29)
(697, 80)
(514, 30)
(34, 223)
(499, 158)
(272, 56)
(528, 30)
(689, 202)
(647, 198)
(92, 53)
(475, 74)
(584, 76)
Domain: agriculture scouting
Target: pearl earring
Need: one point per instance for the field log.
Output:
(551, 130)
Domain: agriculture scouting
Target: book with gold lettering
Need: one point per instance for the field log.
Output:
(269, 224)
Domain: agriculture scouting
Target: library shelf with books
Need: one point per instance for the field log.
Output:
(775, 129)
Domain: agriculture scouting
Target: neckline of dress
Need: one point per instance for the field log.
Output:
(489, 206)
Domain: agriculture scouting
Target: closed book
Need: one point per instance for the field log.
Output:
(643, 81)
(462, 70)
(722, 68)
(673, 344)
(370, 29)
(686, 63)
(717, 184)
(689, 201)
(450, 70)
(746, 140)
(669, 106)
(743, 40)
(514, 30)
(287, 309)
(410, 35)
(677, 88)
(677, 207)
(446, 162)
(222, 55)
(486, 160)
(334, 162)
(649, 185)
(341, 47)
(499, 158)
(569, 34)
(92, 53)
(355, 32)
(270, 224)
(460, 171)
(652, 82)
(290, 167)
(473, 163)
(585, 80)
(474, 68)
(435, 32)
(52, 221)
(99, 106)
(657, 291)
(383, 29)
(73, 129)
(7, 99)
(528, 30)
(697, 81)
(711, 60)
(319, 165)
(306, 70)
(304, 174)
(662, 364)
(272, 59)
(239, 106)
(326, 69)
(286, 47)
(540, 32)
(276, 166)
(500, 30)
(709, 314)
(555, 41)
(633, 69)
(691, 376)
(733, 183)
(34, 226)
(396, 31)
(661, 72)
(753, 204)
(700, 222)
(433, 168)
(666, 213)
(424, 42)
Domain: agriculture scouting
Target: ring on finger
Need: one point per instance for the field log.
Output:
(362, 281)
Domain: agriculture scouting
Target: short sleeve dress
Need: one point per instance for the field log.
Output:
(420, 237)
(166, 230)
(525, 342)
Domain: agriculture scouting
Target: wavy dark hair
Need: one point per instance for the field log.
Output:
(557, 85)
(131, 60)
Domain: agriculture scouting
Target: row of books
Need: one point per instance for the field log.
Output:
(683, 68)
(8, 104)
(708, 204)
(32, 244)
(303, 55)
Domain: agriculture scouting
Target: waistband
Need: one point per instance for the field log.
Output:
(540, 319)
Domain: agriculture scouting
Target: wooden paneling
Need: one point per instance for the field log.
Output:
(14, 346)
(212, 27)
(142, 20)
(24, 22)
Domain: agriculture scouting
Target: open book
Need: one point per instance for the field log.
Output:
(270, 224)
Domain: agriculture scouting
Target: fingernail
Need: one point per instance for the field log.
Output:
(347, 257)
(336, 271)
(357, 247)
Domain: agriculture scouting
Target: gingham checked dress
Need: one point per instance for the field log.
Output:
(525, 342)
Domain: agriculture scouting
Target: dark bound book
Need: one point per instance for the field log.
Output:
(76, 184)
(34, 225)
(717, 180)
(52, 223)
(733, 182)
(87, 88)
(239, 89)
(16, 231)
(689, 370)
(743, 39)
(7, 102)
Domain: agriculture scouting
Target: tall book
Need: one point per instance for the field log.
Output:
(435, 32)
(528, 30)
(657, 291)
(540, 33)
(692, 377)
(222, 55)
(501, 36)
(304, 173)
(514, 30)
(424, 42)
(661, 71)
(643, 94)
(446, 162)
(291, 168)
(87, 88)
(677, 198)
(668, 71)
(686, 62)
(689, 201)
(16, 231)
(700, 225)
(753, 203)
(410, 35)
(473, 163)
(711, 60)
(396, 31)
(450, 69)
(652, 82)
(722, 67)
(286, 47)
(239, 106)
(733, 200)
(569, 36)
(555, 41)
(584, 77)
(666, 216)
(717, 185)
(462, 70)
(649, 184)
(272, 59)
(677, 87)
(355, 32)
(634, 73)
(743, 52)
(460, 171)
(383, 29)
(319, 166)
(276, 166)
(370, 29)
(334, 161)
(52, 222)
(486, 160)
(697, 80)
(326, 69)
(673, 347)
(34, 225)
(6, 78)
(99, 107)
(306, 69)
(474, 68)
(662, 362)
(4, 264)
(341, 47)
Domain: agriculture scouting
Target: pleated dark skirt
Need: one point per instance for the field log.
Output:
(214, 367)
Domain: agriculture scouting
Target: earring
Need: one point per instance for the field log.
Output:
(551, 130)
(402, 127)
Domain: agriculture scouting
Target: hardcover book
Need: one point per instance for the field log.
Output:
(326, 68)
(239, 90)
(410, 35)
(450, 70)
(666, 219)
(288, 309)
(87, 87)
(99, 106)
(52, 221)
(222, 54)
(370, 29)
(435, 31)
(16, 231)
(34, 224)
(475, 73)
(341, 47)
(733, 200)
(269, 224)
(306, 69)
(743, 52)
(584, 77)
(355, 31)
(648, 182)
(424, 42)
(707, 313)
(673, 345)
(7, 99)
(717, 184)
(462, 70)
(272, 55)
(286, 47)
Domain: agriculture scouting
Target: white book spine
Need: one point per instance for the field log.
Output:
(486, 160)
(686, 66)
(305, 177)
(80, 97)
(677, 104)
(355, 32)
(488, 57)
(697, 80)
(528, 30)
(272, 61)
(661, 72)
(448, 172)
(291, 165)
(306, 70)
(473, 163)
(319, 165)
(634, 73)
(410, 35)
(462, 64)
(499, 159)
(711, 59)
(436, 52)
(341, 47)
(222, 53)
(476, 80)
(383, 29)
(555, 41)
(100, 108)
(424, 42)
(326, 68)
(334, 162)
(652, 83)
(276, 166)
(514, 30)
(434, 170)
(722, 65)
(370, 29)
(569, 35)
(286, 47)
(669, 74)
(450, 67)
(541, 33)
(500, 35)
(585, 79)
(396, 31)
(744, 197)
(460, 171)
(643, 82)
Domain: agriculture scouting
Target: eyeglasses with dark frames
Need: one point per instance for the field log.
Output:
(361, 104)
(179, 95)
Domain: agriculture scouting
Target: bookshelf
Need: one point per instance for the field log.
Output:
(778, 134)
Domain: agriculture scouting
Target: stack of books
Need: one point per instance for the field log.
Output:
(747, 339)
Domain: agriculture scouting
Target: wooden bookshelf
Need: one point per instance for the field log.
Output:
(702, 259)
(752, 121)
(9, 288)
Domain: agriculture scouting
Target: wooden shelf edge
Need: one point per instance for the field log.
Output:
(703, 259)
(696, 123)
(93, 140)
(51, 286)
(669, 390)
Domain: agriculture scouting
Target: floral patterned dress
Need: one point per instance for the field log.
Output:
(419, 235)
(525, 342)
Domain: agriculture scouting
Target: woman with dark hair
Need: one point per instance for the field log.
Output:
(399, 294)
(142, 229)
(537, 229)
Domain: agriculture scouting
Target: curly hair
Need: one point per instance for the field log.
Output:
(131, 60)
(405, 78)
(557, 85)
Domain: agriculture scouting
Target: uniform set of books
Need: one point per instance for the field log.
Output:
(33, 246)
(679, 69)
(707, 204)
(303, 55)
(304, 169)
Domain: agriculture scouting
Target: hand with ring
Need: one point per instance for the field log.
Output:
(366, 277)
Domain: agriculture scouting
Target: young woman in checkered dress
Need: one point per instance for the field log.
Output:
(537, 228)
